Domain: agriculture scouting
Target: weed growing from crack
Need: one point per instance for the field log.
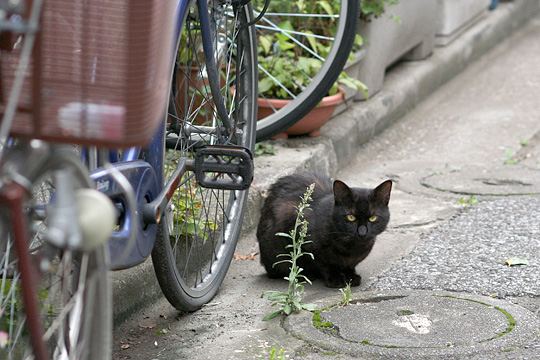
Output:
(276, 354)
(468, 201)
(319, 323)
(509, 157)
(291, 301)
(346, 295)
(264, 148)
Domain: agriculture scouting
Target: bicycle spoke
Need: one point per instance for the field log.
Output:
(302, 50)
(198, 251)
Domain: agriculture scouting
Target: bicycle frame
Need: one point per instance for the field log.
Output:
(24, 159)
(143, 168)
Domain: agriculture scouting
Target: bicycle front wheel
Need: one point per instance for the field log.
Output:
(73, 290)
(199, 230)
(303, 47)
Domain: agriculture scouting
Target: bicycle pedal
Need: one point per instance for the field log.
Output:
(224, 167)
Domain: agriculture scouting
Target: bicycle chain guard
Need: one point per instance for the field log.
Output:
(224, 167)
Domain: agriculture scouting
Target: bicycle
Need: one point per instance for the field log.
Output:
(332, 24)
(181, 197)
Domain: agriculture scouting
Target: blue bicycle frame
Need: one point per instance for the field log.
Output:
(143, 168)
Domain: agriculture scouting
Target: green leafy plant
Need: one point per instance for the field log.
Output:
(346, 295)
(290, 301)
(318, 321)
(276, 354)
(509, 157)
(370, 9)
(264, 148)
(187, 206)
(11, 312)
(288, 66)
(468, 201)
(291, 73)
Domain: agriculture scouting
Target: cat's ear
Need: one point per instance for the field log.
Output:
(381, 193)
(342, 193)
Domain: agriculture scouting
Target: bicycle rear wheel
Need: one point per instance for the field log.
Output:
(198, 232)
(286, 36)
(73, 290)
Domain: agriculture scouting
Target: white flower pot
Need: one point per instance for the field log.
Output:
(405, 31)
(457, 15)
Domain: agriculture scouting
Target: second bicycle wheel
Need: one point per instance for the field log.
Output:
(73, 289)
(200, 228)
(303, 47)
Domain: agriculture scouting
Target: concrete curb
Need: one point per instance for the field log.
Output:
(405, 86)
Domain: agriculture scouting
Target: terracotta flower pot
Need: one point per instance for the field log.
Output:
(311, 123)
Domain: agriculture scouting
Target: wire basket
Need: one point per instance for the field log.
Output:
(100, 72)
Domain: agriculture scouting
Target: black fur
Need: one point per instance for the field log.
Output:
(337, 244)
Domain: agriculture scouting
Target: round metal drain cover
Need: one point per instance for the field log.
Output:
(418, 323)
(475, 180)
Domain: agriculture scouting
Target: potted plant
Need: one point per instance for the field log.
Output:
(293, 75)
(393, 30)
(288, 69)
(457, 15)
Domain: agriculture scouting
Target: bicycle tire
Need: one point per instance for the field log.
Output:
(198, 232)
(83, 316)
(321, 83)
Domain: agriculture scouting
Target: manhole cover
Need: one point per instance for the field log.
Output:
(475, 180)
(419, 323)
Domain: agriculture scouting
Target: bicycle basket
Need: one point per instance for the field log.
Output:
(99, 73)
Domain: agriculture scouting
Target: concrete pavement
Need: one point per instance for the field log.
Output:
(480, 129)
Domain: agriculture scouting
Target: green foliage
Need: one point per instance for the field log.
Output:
(509, 157)
(11, 311)
(346, 295)
(289, 66)
(370, 9)
(468, 201)
(291, 301)
(276, 354)
(264, 148)
(190, 51)
(187, 207)
(12, 298)
(290, 74)
(319, 323)
(357, 45)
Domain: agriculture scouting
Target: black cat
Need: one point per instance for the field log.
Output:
(343, 225)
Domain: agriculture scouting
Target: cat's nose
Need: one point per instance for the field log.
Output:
(362, 230)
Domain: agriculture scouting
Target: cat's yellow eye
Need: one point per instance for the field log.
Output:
(350, 217)
(373, 218)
